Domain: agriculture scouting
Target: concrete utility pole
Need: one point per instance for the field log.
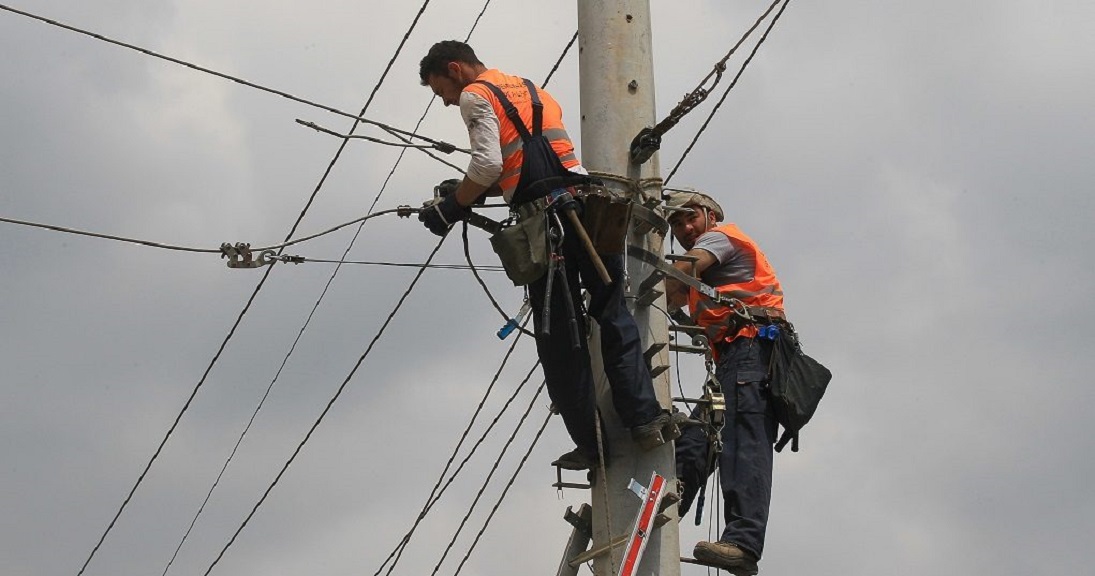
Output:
(617, 101)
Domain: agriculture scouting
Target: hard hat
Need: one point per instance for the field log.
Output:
(678, 198)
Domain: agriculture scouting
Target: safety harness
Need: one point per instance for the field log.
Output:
(544, 190)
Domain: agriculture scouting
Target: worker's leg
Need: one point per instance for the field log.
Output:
(567, 372)
(746, 460)
(621, 345)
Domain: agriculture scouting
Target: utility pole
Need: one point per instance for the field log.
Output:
(617, 101)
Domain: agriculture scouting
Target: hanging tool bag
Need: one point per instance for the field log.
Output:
(523, 248)
(797, 384)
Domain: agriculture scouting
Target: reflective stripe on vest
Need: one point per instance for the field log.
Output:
(762, 290)
(510, 139)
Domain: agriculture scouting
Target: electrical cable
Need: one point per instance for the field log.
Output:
(175, 424)
(350, 246)
(397, 552)
(505, 491)
(326, 409)
(303, 260)
(560, 60)
(286, 244)
(700, 93)
(490, 475)
(437, 144)
(254, 294)
(727, 91)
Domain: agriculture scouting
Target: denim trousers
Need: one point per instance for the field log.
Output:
(749, 433)
(565, 360)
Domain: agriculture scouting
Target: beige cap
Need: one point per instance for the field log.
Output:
(678, 198)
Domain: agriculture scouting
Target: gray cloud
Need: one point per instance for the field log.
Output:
(917, 174)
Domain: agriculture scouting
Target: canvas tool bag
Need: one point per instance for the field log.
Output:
(523, 248)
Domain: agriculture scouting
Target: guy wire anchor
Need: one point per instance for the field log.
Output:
(240, 256)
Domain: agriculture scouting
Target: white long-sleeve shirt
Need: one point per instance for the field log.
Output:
(484, 134)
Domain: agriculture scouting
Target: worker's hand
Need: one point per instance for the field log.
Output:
(446, 188)
(440, 214)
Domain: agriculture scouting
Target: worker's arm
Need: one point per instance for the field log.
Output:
(676, 292)
(485, 166)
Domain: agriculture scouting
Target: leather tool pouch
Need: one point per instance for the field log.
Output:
(523, 249)
(605, 218)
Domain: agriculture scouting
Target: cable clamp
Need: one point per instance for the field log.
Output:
(239, 255)
(405, 211)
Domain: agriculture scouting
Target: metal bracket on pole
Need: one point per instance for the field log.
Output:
(649, 289)
(560, 484)
(579, 539)
(646, 220)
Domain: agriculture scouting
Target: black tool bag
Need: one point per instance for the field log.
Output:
(797, 384)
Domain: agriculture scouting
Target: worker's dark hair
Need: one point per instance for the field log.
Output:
(437, 59)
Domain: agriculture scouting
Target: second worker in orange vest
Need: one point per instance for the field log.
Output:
(730, 261)
(518, 144)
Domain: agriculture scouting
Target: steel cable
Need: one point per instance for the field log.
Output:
(490, 475)
(440, 145)
(436, 494)
(250, 300)
(326, 409)
(727, 91)
(505, 491)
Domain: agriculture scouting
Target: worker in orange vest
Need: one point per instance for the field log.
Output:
(520, 150)
(730, 261)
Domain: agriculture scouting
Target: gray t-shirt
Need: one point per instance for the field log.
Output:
(734, 264)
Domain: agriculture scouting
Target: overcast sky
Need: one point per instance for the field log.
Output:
(919, 173)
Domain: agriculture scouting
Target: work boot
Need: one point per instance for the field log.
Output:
(576, 459)
(726, 556)
(665, 427)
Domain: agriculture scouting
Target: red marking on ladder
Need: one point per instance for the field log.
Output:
(643, 524)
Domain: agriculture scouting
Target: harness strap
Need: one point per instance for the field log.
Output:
(514, 116)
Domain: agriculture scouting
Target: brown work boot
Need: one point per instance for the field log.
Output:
(726, 556)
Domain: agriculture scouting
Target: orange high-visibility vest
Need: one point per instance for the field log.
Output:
(512, 156)
(762, 290)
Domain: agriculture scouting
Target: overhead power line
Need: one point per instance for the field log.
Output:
(726, 92)
(473, 268)
(311, 314)
(436, 493)
(490, 475)
(505, 491)
(402, 211)
(648, 140)
(326, 409)
(439, 145)
(254, 294)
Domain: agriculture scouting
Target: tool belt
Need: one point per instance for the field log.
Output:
(523, 247)
(763, 315)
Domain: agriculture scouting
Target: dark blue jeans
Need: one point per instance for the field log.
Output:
(745, 463)
(567, 370)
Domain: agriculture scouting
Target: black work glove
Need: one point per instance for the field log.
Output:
(446, 188)
(440, 214)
